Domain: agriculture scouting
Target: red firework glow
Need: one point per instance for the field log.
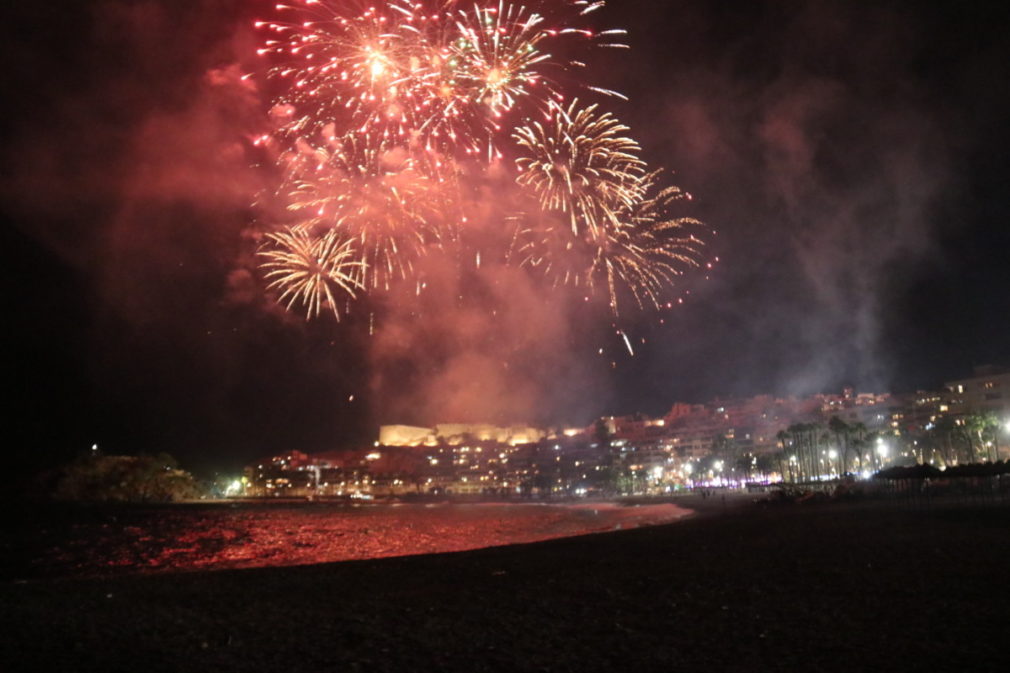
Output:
(390, 118)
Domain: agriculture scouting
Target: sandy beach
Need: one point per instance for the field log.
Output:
(824, 587)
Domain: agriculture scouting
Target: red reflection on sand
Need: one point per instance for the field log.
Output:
(178, 539)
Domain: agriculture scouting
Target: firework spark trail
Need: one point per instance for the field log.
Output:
(627, 343)
(388, 113)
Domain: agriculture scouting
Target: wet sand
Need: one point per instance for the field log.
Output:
(783, 588)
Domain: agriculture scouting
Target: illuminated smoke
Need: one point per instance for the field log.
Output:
(390, 116)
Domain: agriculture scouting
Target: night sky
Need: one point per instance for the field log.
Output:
(853, 157)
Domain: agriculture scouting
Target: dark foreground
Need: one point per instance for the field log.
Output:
(788, 588)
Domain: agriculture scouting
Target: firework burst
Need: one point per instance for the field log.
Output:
(421, 74)
(309, 270)
(392, 210)
(498, 54)
(336, 64)
(645, 249)
(580, 164)
(388, 115)
(641, 251)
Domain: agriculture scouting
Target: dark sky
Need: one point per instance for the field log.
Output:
(854, 158)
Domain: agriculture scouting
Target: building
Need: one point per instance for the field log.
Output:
(455, 434)
(987, 390)
(725, 439)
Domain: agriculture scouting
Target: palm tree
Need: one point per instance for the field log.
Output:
(744, 465)
(841, 430)
(871, 446)
(815, 439)
(766, 464)
(806, 441)
(785, 438)
(977, 425)
(965, 433)
(945, 429)
(823, 446)
(798, 433)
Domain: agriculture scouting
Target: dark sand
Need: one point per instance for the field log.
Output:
(817, 587)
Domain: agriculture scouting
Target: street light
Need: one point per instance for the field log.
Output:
(1006, 427)
(882, 450)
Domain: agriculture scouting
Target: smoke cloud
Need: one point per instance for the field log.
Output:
(816, 149)
(487, 347)
(824, 141)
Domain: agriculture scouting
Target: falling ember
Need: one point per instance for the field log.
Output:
(627, 343)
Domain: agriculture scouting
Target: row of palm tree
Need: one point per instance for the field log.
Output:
(968, 439)
(813, 450)
(807, 447)
(808, 451)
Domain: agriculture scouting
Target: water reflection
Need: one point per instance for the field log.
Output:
(113, 542)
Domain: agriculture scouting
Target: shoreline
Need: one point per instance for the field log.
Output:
(117, 540)
(831, 587)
